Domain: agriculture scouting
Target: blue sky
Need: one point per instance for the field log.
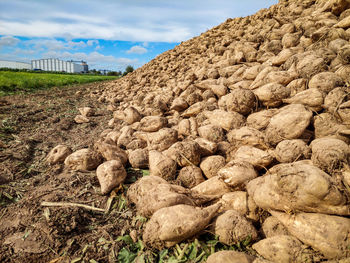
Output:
(109, 34)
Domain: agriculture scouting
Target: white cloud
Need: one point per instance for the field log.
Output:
(53, 44)
(8, 41)
(137, 50)
(92, 42)
(73, 45)
(153, 20)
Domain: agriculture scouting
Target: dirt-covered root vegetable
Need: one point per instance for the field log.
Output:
(260, 78)
(289, 123)
(298, 187)
(312, 98)
(289, 151)
(58, 154)
(335, 6)
(335, 98)
(337, 44)
(126, 136)
(143, 186)
(131, 115)
(224, 119)
(179, 104)
(344, 112)
(247, 136)
(110, 151)
(343, 72)
(211, 132)
(153, 123)
(188, 127)
(86, 111)
(272, 94)
(190, 176)
(231, 228)
(240, 100)
(211, 165)
(310, 65)
(171, 225)
(344, 23)
(256, 157)
(84, 159)
(206, 147)
(235, 201)
(259, 120)
(345, 176)
(219, 90)
(290, 40)
(297, 85)
(213, 187)
(240, 202)
(161, 165)
(244, 84)
(110, 174)
(252, 72)
(325, 233)
(112, 136)
(184, 153)
(284, 249)
(194, 109)
(273, 227)
(282, 57)
(230, 256)
(327, 125)
(139, 158)
(136, 144)
(329, 153)
(237, 173)
(159, 196)
(325, 81)
(81, 119)
(280, 77)
(162, 139)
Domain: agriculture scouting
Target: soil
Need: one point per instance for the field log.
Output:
(31, 125)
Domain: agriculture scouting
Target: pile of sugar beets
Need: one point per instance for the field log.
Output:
(245, 130)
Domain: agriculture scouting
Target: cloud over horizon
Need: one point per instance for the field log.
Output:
(153, 20)
(8, 41)
(137, 50)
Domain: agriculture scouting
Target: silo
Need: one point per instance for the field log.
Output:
(57, 63)
(71, 69)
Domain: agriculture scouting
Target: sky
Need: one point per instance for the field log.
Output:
(109, 34)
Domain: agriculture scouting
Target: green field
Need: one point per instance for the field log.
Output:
(15, 82)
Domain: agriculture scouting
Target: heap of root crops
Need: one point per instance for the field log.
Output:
(245, 130)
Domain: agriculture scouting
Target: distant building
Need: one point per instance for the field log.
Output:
(15, 65)
(54, 64)
(49, 64)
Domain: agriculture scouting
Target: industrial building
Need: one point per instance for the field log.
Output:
(49, 64)
(54, 64)
(14, 64)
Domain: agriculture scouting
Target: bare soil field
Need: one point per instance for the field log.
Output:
(31, 125)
